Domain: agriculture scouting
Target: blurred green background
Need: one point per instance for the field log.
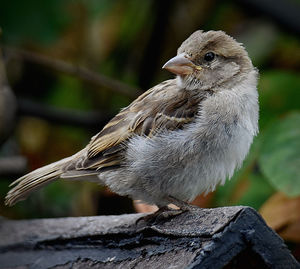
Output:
(73, 64)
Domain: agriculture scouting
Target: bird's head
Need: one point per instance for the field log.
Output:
(209, 60)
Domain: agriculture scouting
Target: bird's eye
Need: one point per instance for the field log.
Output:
(209, 56)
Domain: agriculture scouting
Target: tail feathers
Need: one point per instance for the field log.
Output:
(38, 178)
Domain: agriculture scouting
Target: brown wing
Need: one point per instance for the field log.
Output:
(164, 107)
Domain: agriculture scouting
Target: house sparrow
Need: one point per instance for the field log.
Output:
(179, 139)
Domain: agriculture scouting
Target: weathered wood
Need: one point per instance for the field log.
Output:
(230, 237)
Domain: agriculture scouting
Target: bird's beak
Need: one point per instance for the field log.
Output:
(181, 65)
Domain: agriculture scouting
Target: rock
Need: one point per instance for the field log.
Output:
(228, 237)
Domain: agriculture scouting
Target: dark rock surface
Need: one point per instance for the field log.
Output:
(229, 237)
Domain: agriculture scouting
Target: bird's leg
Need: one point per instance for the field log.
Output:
(163, 213)
(166, 212)
(181, 204)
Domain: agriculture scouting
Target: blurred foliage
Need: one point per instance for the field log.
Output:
(282, 214)
(129, 40)
(34, 20)
(60, 94)
(280, 155)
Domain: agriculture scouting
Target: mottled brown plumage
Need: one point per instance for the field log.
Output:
(160, 108)
(163, 107)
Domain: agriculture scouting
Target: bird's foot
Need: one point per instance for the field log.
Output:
(181, 204)
(162, 214)
(165, 213)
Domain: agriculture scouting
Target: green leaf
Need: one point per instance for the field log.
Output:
(280, 154)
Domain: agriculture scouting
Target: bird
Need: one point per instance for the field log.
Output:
(181, 138)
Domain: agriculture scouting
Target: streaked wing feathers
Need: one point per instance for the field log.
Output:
(164, 107)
